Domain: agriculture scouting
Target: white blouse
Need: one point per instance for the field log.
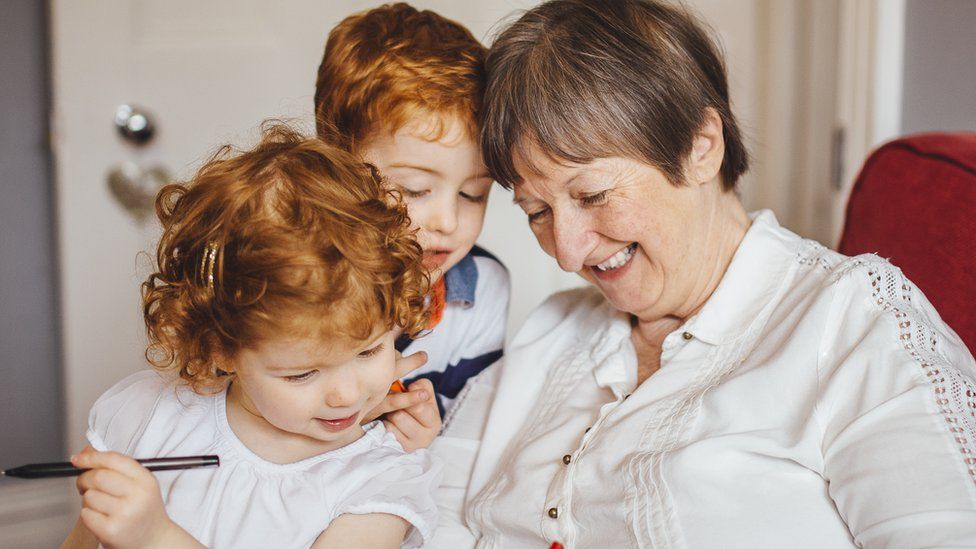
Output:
(815, 401)
(248, 501)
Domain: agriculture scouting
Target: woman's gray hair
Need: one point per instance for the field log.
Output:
(584, 79)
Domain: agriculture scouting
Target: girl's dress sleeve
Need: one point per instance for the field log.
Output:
(119, 417)
(400, 484)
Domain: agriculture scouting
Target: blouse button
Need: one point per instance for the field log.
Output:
(687, 335)
(567, 458)
(553, 512)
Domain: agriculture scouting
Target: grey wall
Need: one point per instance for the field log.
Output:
(940, 66)
(31, 417)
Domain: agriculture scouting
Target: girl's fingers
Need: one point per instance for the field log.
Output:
(407, 364)
(104, 480)
(406, 424)
(97, 523)
(108, 460)
(425, 412)
(396, 401)
(100, 501)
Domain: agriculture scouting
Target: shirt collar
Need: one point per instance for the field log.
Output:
(460, 282)
(614, 355)
(761, 263)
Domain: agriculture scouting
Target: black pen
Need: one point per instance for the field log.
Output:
(66, 469)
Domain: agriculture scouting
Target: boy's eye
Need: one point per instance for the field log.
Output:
(301, 377)
(594, 199)
(371, 352)
(538, 215)
(410, 193)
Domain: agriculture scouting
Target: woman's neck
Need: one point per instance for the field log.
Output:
(721, 231)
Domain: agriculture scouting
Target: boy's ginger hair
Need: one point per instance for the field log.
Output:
(387, 65)
(292, 238)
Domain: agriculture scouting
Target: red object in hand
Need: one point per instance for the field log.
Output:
(556, 545)
(398, 387)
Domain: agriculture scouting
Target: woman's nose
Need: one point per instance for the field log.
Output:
(572, 242)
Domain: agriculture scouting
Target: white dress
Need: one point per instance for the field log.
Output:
(816, 401)
(248, 501)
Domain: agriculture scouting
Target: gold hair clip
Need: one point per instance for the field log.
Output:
(208, 263)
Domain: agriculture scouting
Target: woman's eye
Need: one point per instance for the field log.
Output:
(476, 198)
(301, 377)
(538, 215)
(371, 352)
(594, 199)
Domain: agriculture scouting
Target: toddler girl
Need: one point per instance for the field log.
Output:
(284, 275)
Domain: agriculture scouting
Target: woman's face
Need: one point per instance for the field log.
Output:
(621, 225)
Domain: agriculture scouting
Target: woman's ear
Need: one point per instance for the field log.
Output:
(707, 150)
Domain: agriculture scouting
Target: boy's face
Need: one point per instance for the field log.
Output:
(444, 183)
(307, 387)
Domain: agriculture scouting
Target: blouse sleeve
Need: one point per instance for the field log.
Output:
(119, 418)
(897, 410)
(404, 486)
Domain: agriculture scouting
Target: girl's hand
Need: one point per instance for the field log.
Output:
(416, 426)
(401, 401)
(121, 503)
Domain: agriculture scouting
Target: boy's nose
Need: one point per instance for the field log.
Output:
(444, 216)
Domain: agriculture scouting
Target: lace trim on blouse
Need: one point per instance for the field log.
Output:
(954, 394)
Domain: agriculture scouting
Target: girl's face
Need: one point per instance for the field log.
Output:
(313, 388)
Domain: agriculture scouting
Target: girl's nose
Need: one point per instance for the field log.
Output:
(343, 391)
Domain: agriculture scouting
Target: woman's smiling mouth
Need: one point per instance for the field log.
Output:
(618, 259)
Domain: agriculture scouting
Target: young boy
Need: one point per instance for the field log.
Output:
(402, 88)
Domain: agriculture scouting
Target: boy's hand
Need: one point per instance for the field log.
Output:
(401, 401)
(416, 426)
(121, 503)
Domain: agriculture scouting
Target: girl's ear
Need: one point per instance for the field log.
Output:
(707, 149)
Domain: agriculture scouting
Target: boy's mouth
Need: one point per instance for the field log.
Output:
(435, 257)
(339, 424)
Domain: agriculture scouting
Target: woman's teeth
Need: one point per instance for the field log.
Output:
(619, 259)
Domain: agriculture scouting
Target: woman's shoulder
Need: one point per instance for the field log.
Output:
(575, 311)
(144, 402)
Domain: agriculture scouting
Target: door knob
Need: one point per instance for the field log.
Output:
(134, 124)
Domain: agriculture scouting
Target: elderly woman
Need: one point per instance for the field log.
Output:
(722, 382)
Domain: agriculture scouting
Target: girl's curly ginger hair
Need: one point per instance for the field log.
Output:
(301, 239)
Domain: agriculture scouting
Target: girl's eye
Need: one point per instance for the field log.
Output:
(473, 198)
(371, 352)
(538, 215)
(594, 199)
(301, 377)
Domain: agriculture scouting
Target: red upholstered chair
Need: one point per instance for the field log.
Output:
(914, 203)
